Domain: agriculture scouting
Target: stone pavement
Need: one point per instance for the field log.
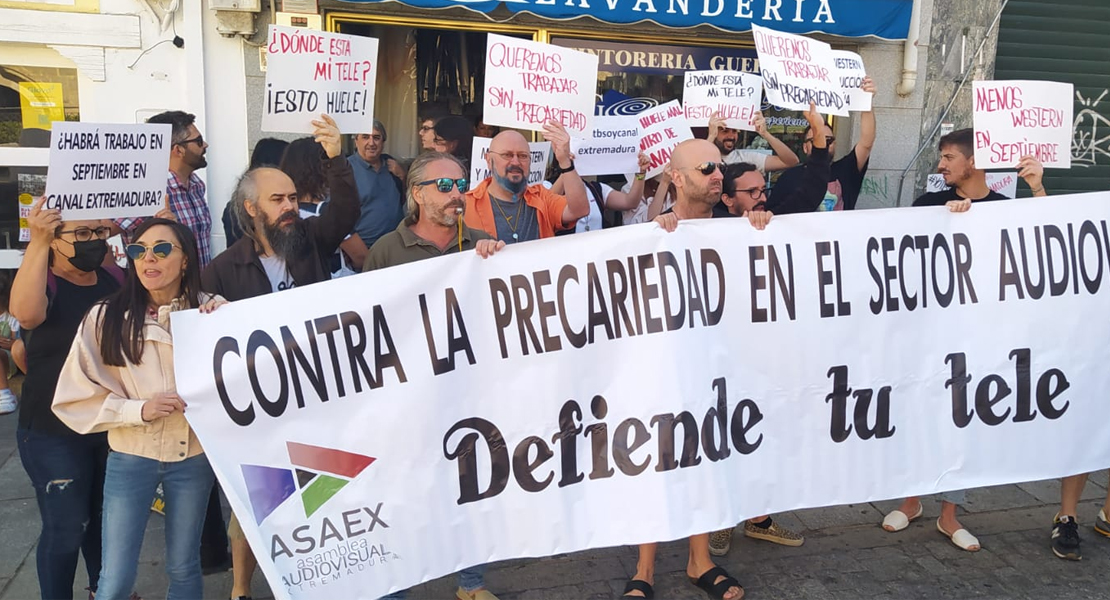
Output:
(846, 554)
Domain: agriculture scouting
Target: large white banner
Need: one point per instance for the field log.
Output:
(632, 385)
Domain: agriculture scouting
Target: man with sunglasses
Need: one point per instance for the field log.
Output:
(507, 208)
(185, 191)
(842, 189)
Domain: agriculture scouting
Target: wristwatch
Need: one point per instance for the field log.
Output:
(559, 170)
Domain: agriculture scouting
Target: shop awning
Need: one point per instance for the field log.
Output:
(888, 19)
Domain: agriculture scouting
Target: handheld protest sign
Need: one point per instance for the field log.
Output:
(107, 170)
(1003, 182)
(661, 129)
(479, 167)
(850, 73)
(733, 94)
(613, 149)
(798, 70)
(529, 84)
(1016, 118)
(311, 72)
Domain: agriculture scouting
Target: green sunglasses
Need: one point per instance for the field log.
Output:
(444, 184)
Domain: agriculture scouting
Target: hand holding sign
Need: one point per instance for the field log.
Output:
(1032, 171)
(166, 212)
(555, 133)
(43, 222)
(327, 133)
(817, 126)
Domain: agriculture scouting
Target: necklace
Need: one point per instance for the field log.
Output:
(508, 219)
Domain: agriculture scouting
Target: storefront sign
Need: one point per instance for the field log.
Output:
(107, 170)
(850, 73)
(479, 165)
(40, 104)
(366, 432)
(655, 59)
(1013, 119)
(311, 72)
(661, 129)
(1004, 183)
(613, 149)
(529, 84)
(734, 95)
(798, 71)
(888, 19)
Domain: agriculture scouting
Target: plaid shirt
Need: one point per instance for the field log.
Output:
(191, 209)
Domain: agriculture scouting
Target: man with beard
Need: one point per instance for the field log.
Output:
(280, 250)
(507, 208)
(726, 137)
(184, 190)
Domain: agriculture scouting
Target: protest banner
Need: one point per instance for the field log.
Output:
(1017, 118)
(351, 421)
(479, 166)
(734, 94)
(1003, 182)
(107, 170)
(613, 149)
(850, 73)
(661, 129)
(798, 70)
(310, 72)
(529, 83)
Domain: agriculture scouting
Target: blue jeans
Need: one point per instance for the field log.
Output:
(67, 473)
(128, 489)
(470, 579)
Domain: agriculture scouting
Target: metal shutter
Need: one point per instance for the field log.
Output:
(1069, 41)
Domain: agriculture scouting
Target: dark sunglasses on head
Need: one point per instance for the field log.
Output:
(828, 139)
(161, 250)
(84, 234)
(707, 168)
(444, 184)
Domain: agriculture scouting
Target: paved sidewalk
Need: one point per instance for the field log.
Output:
(846, 554)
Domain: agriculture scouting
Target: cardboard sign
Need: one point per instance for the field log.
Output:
(797, 71)
(312, 72)
(529, 84)
(107, 170)
(1016, 118)
(613, 149)
(734, 94)
(850, 74)
(479, 166)
(661, 129)
(1004, 183)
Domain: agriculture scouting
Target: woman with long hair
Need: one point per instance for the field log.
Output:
(119, 378)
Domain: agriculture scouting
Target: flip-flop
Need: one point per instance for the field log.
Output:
(638, 585)
(962, 538)
(897, 520)
(717, 591)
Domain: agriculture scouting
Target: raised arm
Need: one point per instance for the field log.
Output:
(28, 297)
(866, 129)
(784, 157)
(344, 208)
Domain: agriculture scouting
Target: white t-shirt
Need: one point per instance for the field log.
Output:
(755, 157)
(279, 276)
(592, 221)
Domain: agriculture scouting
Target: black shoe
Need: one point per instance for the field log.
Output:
(1065, 538)
(217, 564)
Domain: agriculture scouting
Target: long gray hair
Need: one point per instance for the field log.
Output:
(416, 174)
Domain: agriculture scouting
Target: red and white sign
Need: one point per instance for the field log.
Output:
(529, 84)
(797, 71)
(661, 129)
(734, 94)
(1013, 119)
(312, 72)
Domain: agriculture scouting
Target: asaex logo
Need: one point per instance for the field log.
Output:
(319, 473)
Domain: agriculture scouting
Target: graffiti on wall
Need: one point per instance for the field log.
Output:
(1090, 133)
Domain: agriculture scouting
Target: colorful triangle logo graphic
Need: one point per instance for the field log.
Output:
(320, 472)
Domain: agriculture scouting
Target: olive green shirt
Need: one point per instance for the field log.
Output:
(402, 246)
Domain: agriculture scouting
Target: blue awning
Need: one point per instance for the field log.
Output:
(888, 19)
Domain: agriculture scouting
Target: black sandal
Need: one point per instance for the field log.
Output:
(717, 591)
(638, 585)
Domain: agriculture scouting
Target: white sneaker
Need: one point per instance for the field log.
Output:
(8, 402)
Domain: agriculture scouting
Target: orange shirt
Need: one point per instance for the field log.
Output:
(549, 209)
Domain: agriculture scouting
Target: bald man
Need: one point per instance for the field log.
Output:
(510, 210)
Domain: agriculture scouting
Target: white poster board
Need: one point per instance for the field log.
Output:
(850, 73)
(108, 170)
(798, 70)
(479, 166)
(613, 149)
(661, 129)
(529, 83)
(310, 72)
(1016, 118)
(734, 94)
(1003, 182)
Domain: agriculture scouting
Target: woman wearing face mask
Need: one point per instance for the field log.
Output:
(119, 378)
(60, 278)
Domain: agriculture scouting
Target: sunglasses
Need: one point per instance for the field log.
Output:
(707, 168)
(161, 250)
(828, 139)
(444, 184)
(197, 140)
(84, 234)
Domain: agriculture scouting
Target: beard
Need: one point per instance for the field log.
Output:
(513, 188)
(287, 242)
